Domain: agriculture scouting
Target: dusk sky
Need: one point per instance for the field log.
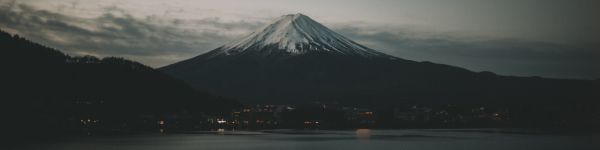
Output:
(550, 38)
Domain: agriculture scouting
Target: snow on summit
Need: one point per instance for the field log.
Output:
(296, 34)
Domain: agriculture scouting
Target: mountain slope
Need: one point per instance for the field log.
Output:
(54, 76)
(295, 59)
(295, 34)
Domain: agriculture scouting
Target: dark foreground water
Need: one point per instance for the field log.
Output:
(362, 139)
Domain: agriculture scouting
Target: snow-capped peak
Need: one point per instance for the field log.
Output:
(296, 34)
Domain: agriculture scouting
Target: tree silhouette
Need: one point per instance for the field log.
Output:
(44, 87)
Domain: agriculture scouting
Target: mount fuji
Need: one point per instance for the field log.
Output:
(295, 59)
(293, 35)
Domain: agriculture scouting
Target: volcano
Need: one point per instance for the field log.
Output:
(293, 35)
(295, 59)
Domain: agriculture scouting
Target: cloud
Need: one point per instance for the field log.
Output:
(500, 55)
(116, 33)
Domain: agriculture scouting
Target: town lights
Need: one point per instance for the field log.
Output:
(311, 122)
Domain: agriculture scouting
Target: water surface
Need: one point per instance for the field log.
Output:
(362, 139)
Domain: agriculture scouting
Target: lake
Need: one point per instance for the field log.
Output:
(361, 139)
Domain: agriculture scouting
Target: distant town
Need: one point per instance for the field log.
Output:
(321, 115)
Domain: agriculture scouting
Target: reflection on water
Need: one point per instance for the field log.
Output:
(360, 139)
(363, 134)
(220, 131)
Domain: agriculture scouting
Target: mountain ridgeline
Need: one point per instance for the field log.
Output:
(297, 60)
(43, 86)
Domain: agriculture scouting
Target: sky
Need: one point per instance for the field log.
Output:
(548, 38)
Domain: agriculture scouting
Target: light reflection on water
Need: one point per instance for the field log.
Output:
(359, 139)
(363, 134)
